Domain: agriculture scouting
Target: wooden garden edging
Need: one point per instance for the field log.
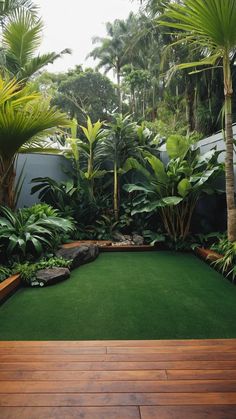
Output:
(109, 246)
(208, 254)
(9, 286)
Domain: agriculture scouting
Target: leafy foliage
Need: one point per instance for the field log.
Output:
(85, 92)
(4, 273)
(28, 270)
(32, 236)
(175, 188)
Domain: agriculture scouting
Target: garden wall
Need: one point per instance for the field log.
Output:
(43, 165)
(39, 165)
(217, 141)
(210, 214)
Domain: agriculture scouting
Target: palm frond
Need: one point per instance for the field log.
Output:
(22, 36)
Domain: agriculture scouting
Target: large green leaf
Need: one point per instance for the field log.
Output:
(171, 200)
(150, 207)
(158, 168)
(132, 163)
(202, 178)
(177, 146)
(184, 187)
(136, 188)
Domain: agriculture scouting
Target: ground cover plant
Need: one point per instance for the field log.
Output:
(153, 295)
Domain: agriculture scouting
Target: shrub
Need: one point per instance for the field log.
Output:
(31, 236)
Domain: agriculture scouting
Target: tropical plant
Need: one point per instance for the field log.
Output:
(174, 189)
(8, 7)
(64, 196)
(21, 236)
(25, 118)
(21, 39)
(39, 211)
(227, 263)
(93, 134)
(113, 51)
(210, 27)
(117, 146)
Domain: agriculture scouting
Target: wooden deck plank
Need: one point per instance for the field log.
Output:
(97, 350)
(117, 399)
(135, 357)
(200, 374)
(146, 375)
(64, 365)
(69, 412)
(169, 349)
(83, 375)
(118, 343)
(87, 386)
(193, 412)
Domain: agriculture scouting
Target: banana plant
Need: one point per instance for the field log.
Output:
(174, 189)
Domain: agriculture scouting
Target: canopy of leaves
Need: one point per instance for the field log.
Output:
(87, 92)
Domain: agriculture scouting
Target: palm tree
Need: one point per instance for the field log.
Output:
(115, 149)
(21, 39)
(9, 7)
(210, 27)
(25, 118)
(113, 50)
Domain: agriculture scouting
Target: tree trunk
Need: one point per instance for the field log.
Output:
(90, 173)
(119, 91)
(115, 198)
(229, 163)
(7, 191)
(190, 106)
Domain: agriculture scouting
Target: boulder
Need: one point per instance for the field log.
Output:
(79, 255)
(50, 276)
(137, 239)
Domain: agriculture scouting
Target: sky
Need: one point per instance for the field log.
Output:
(73, 23)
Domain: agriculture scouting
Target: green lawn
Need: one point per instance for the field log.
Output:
(154, 295)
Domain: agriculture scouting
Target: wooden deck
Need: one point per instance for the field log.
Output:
(118, 379)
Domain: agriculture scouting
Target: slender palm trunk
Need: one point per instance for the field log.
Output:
(119, 90)
(7, 176)
(190, 106)
(90, 173)
(115, 198)
(229, 164)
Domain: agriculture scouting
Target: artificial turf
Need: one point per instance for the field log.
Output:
(154, 295)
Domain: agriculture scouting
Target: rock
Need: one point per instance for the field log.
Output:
(124, 243)
(51, 276)
(137, 239)
(118, 237)
(128, 238)
(79, 255)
